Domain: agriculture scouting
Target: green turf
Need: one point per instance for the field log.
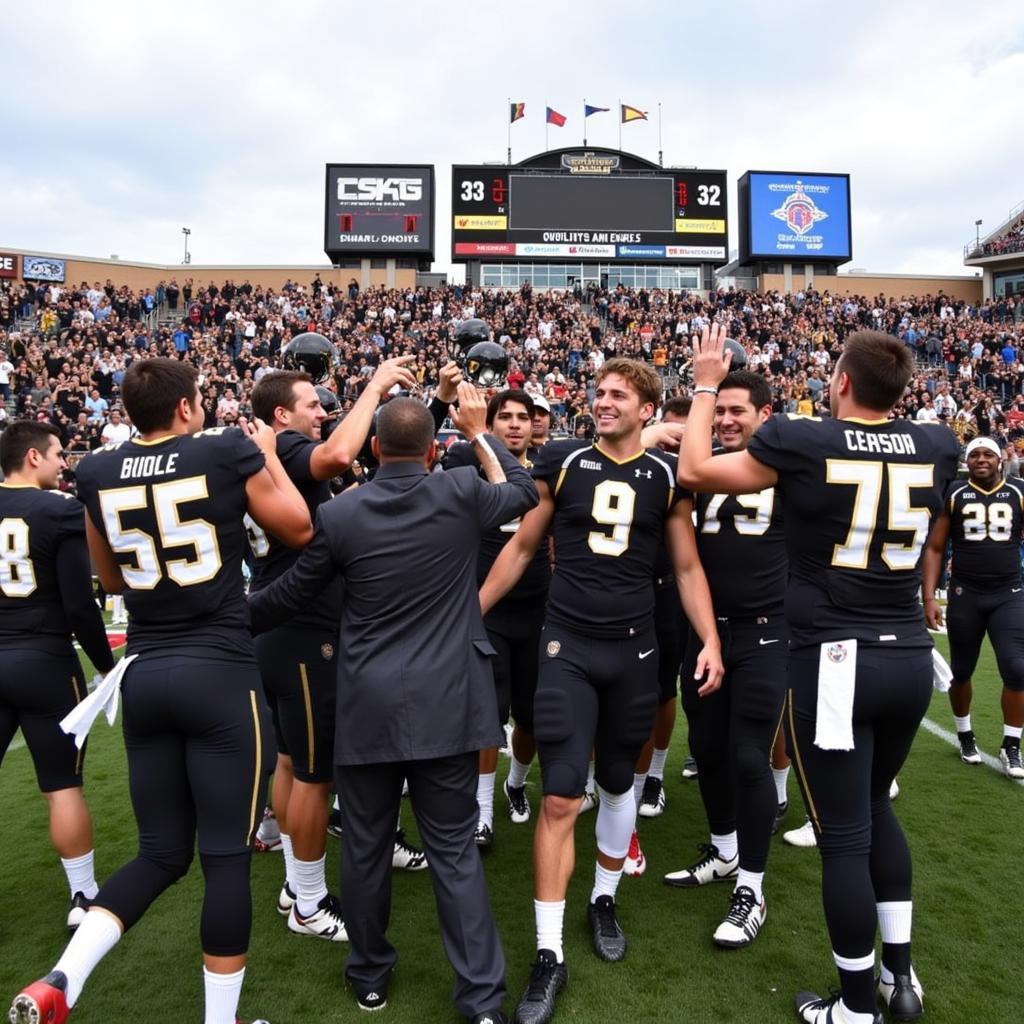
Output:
(963, 823)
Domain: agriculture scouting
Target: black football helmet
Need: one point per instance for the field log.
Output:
(468, 334)
(332, 406)
(486, 365)
(310, 353)
(739, 354)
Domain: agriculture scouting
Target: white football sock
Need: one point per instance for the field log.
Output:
(781, 776)
(590, 777)
(606, 882)
(1012, 732)
(658, 758)
(728, 845)
(81, 874)
(310, 884)
(895, 920)
(289, 861)
(517, 773)
(616, 819)
(963, 722)
(752, 880)
(97, 935)
(638, 787)
(485, 798)
(550, 915)
(118, 611)
(856, 1018)
(222, 994)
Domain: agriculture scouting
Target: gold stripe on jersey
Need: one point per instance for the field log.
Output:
(78, 700)
(812, 810)
(565, 467)
(309, 714)
(258, 768)
(620, 462)
(155, 440)
(866, 423)
(981, 490)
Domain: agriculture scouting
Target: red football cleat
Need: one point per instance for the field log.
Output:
(42, 1002)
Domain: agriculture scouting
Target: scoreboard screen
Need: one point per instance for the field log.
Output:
(648, 215)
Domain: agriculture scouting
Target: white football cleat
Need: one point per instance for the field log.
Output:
(802, 836)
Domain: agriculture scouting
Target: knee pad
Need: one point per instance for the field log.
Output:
(616, 818)
(1013, 678)
(750, 764)
(174, 863)
(552, 716)
(616, 777)
(563, 779)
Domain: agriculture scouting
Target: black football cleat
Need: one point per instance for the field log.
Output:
(606, 933)
(780, 816)
(490, 1017)
(904, 996)
(547, 978)
(77, 911)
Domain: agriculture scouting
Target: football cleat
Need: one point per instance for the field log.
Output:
(710, 868)
(324, 923)
(77, 911)
(690, 768)
(268, 835)
(636, 863)
(802, 836)
(589, 801)
(968, 747)
(812, 1009)
(1009, 755)
(42, 1002)
(483, 836)
(407, 857)
(894, 789)
(652, 801)
(285, 899)
(490, 1017)
(780, 815)
(743, 921)
(238, 1020)
(518, 805)
(547, 978)
(903, 996)
(334, 824)
(605, 931)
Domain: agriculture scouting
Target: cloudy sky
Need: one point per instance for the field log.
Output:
(123, 122)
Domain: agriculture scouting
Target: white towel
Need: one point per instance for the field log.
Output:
(79, 720)
(837, 678)
(942, 675)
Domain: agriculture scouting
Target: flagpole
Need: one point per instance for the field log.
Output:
(620, 124)
(661, 162)
(546, 126)
(584, 122)
(508, 114)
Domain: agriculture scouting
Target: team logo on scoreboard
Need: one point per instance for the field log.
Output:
(799, 211)
(589, 163)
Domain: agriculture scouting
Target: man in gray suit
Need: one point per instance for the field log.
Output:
(416, 694)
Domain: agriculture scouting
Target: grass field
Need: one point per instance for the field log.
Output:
(964, 826)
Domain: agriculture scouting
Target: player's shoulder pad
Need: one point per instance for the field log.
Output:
(215, 432)
(110, 446)
(556, 455)
(460, 454)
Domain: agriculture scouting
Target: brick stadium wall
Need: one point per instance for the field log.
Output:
(892, 285)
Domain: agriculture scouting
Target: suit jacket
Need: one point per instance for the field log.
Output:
(414, 672)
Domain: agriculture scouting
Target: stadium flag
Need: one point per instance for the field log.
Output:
(518, 110)
(588, 110)
(555, 118)
(632, 114)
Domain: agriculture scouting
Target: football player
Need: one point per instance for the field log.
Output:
(297, 661)
(164, 523)
(742, 547)
(984, 516)
(608, 506)
(859, 492)
(513, 624)
(45, 596)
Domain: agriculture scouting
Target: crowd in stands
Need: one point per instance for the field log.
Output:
(65, 361)
(1011, 241)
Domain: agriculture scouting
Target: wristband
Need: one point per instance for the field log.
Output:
(705, 389)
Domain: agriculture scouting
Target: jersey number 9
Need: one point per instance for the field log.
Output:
(614, 504)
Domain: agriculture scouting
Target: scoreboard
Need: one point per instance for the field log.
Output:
(502, 212)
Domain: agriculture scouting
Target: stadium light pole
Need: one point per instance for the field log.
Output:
(186, 232)
(977, 234)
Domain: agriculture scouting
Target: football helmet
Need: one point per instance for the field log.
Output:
(739, 354)
(486, 365)
(310, 353)
(332, 406)
(468, 334)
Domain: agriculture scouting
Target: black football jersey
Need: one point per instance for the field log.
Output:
(42, 532)
(985, 528)
(272, 557)
(859, 499)
(608, 527)
(171, 511)
(742, 545)
(532, 588)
